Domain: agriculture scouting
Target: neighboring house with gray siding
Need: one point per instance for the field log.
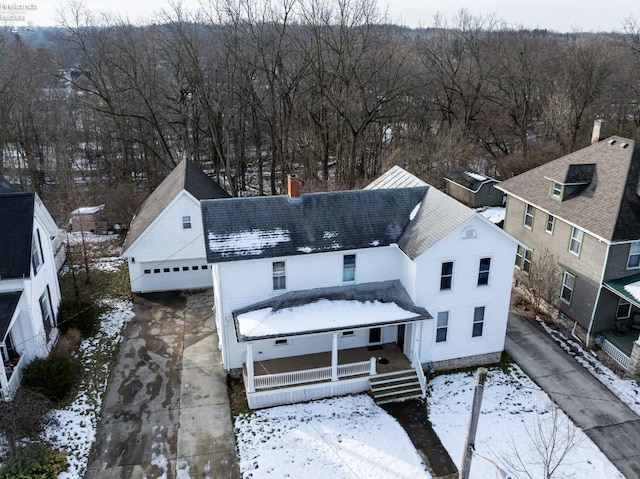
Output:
(585, 209)
(472, 189)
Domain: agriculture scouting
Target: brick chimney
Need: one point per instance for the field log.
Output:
(293, 185)
(599, 131)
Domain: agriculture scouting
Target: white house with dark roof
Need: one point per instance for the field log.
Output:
(317, 295)
(29, 289)
(164, 247)
(584, 208)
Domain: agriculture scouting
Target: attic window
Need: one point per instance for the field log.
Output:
(186, 222)
(469, 233)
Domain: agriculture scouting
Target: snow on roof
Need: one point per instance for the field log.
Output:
(495, 214)
(87, 210)
(319, 316)
(634, 290)
(248, 243)
(475, 176)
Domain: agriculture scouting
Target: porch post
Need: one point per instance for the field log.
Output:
(4, 383)
(250, 373)
(334, 358)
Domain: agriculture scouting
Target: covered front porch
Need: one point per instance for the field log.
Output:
(307, 377)
(618, 342)
(307, 345)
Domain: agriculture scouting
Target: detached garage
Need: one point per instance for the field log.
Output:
(164, 247)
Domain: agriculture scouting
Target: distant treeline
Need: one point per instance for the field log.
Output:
(99, 111)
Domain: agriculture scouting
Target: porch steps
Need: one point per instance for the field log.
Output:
(395, 386)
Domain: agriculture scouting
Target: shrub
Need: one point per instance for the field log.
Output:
(53, 376)
(34, 461)
(67, 343)
(82, 315)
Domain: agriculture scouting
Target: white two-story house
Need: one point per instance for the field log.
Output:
(29, 289)
(311, 280)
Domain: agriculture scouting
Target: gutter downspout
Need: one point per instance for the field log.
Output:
(597, 303)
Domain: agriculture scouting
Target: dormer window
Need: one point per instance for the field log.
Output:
(556, 190)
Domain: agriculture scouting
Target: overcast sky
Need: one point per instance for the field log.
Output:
(559, 15)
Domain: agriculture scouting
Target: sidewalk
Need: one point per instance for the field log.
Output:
(602, 416)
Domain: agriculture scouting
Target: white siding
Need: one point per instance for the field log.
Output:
(465, 294)
(166, 244)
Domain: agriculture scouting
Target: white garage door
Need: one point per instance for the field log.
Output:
(176, 275)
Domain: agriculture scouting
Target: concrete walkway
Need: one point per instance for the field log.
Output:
(600, 414)
(166, 412)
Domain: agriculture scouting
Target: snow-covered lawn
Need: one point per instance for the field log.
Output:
(78, 421)
(514, 409)
(344, 437)
(351, 437)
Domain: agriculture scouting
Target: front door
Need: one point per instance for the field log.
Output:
(400, 340)
(375, 335)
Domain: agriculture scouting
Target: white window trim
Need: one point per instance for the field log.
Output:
(527, 215)
(355, 268)
(348, 334)
(631, 253)
(579, 241)
(553, 224)
(283, 275)
(281, 342)
(623, 302)
(474, 322)
(488, 283)
(561, 188)
(446, 328)
(186, 222)
(440, 276)
(572, 289)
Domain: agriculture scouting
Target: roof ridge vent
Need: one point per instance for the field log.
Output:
(624, 145)
(612, 142)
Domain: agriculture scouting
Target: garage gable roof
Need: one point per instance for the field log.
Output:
(185, 177)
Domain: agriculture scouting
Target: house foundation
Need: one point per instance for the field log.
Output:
(469, 361)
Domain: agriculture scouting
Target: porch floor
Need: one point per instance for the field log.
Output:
(622, 341)
(390, 351)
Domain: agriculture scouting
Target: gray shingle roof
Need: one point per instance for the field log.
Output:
(8, 305)
(468, 179)
(186, 176)
(6, 187)
(270, 226)
(608, 206)
(383, 292)
(16, 233)
(396, 177)
(439, 215)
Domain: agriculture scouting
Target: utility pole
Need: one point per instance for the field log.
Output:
(469, 445)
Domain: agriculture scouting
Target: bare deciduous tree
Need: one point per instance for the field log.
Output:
(548, 443)
(541, 283)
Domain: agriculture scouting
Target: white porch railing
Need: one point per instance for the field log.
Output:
(294, 378)
(13, 382)
(616, 354)
(420, 372)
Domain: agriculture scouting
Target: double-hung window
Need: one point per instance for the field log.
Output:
(446, 275)
(634, 255)
(279, 276)
(478, 322)
(523, 259)
(45, 310)
(37, 259)
(442, 326)
(551, 220)
(576, 240)
(349, 267)
(186, 222)
(529, 211)
(568, 285)
(556, 190)
(483, 271)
